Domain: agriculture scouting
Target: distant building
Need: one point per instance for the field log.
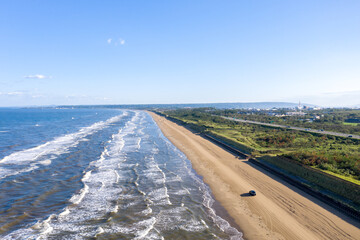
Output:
(295, 114)
(299, 113)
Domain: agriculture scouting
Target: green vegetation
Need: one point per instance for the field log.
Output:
(336, 120)
(351, 124)
(338, 155)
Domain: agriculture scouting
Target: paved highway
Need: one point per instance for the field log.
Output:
(295, 128)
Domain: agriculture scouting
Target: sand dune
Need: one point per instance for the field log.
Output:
(279, 211)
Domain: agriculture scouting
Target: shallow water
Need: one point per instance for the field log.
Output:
(99, 174)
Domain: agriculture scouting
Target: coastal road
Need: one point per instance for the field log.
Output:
(294, 128)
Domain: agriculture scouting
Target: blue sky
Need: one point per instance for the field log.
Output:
(130, 52)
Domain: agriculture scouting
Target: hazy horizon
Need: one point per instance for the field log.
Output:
(221, 105)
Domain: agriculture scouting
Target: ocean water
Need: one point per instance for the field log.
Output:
(99, 174)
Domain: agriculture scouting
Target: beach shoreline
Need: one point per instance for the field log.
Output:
(279, 211)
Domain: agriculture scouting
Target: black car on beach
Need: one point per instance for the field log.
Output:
(252, 193)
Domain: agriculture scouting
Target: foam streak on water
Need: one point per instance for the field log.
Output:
(140, 187)
(31, 159)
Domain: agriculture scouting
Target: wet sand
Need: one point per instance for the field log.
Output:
(279, 211)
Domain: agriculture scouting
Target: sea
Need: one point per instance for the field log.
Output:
(99, 174)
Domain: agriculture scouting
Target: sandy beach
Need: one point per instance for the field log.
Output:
(279, 211)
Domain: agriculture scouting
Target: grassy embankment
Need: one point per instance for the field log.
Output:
(336, 120)
(351, 124)
(294, 151)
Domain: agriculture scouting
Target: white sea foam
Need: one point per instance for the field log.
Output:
(116, 209)
(147, 211)
(193, 226)
(76, 199)
(174, 179)
(65, 212)
(117, 176)
(160, 196)
(51, 149)
(45, 162)
(47, 227)
(44, 228)
(99, 194)
(100, 230)
(148, 224)
(115, 184)
(138, 143)
(182, 192)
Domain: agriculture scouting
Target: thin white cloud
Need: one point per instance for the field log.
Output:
(103, 98)
(11, 93)
(15, 93)
(115, 42)
(37, 76)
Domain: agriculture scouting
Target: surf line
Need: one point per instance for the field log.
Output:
(55, 147)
